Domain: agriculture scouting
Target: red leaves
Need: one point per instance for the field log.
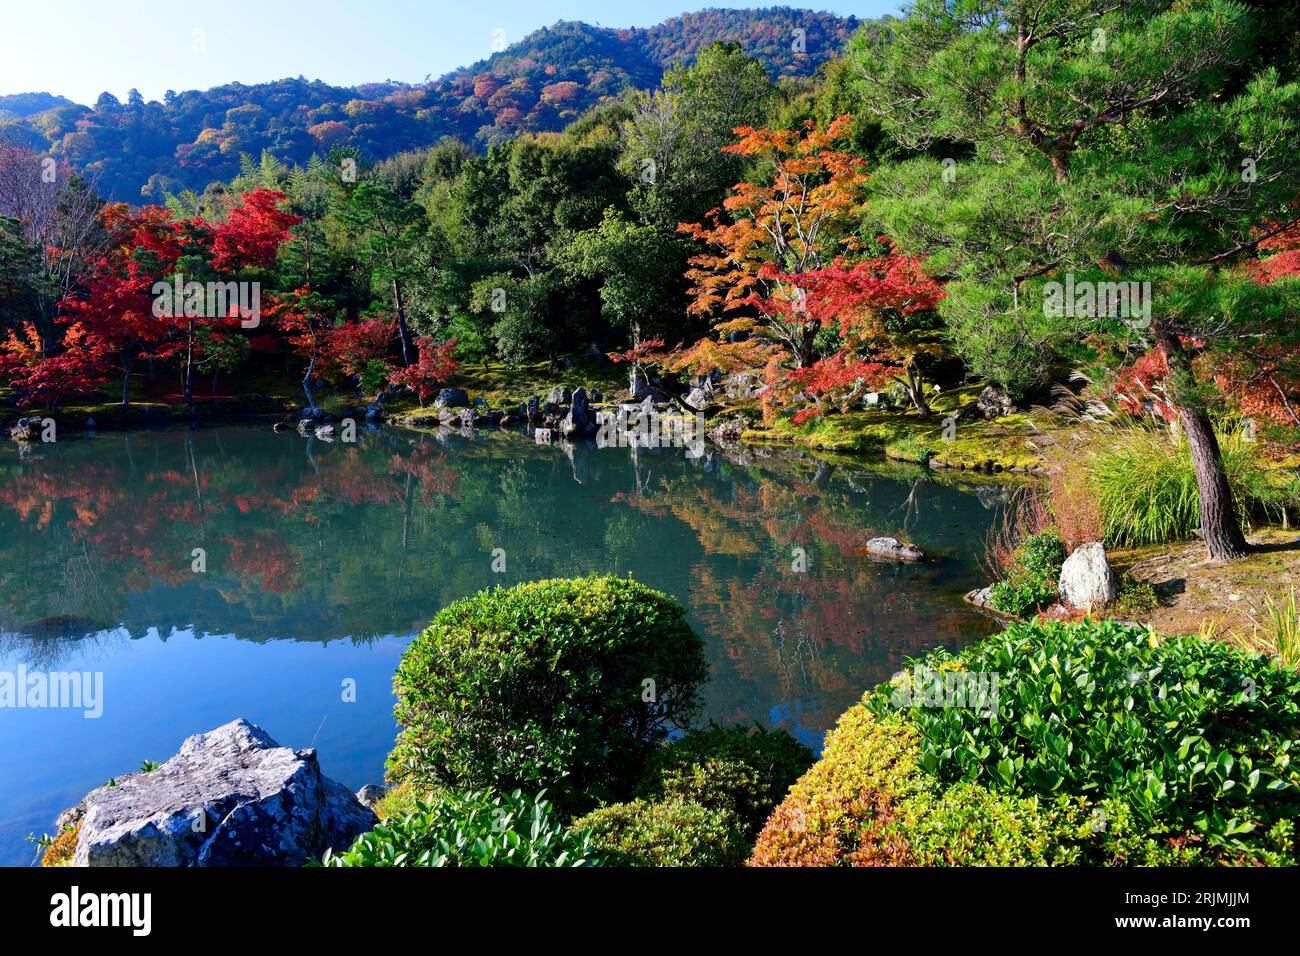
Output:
(836, 373)
(795, 220)
(435, 363)
(853, 295)
(44, 380)
(253, 232)
(350, 348)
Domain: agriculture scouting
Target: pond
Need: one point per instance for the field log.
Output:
(235, 571)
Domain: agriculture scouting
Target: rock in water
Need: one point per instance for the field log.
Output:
(580, 422)
(1087, 582)
(558, 395)
(371, 794)
(26, 429)
(230, 797)
(893, 550)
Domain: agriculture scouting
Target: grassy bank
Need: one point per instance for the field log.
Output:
(1013, 443)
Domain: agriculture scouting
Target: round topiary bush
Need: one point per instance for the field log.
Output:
(567, 685)
(1098, 745)
(480, 828)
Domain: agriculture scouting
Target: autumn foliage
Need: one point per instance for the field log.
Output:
(782, 264)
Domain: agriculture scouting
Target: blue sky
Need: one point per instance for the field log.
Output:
(80, 48)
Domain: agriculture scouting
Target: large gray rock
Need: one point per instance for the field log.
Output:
(230, 797)
(451, 398)
(698, 397)
(891, 549)
(1087, 582)
(740, 385)
(580, 422)
(558, 396)
(994, 403)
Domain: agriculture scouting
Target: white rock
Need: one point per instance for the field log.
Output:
(1087, 582)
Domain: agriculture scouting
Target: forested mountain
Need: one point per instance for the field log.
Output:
(141, 150)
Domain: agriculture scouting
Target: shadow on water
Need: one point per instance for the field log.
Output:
(235, 571)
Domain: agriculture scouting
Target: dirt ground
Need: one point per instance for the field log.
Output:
(1194, 591)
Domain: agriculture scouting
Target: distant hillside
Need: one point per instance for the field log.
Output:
(142, 149)
(22, 105)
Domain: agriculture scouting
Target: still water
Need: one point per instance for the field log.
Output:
(233, 572)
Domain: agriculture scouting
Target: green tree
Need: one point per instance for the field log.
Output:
(639, 271)
(672, 143)
(386, 230)
(1108, 143)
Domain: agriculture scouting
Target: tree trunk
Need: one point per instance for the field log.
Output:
(404, 333)
(189, 366)
(1220, 523)
(915, 386)
(126, 382)
(306, 385)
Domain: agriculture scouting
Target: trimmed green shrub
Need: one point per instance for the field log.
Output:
(1033, 577)
(703, 799)
(1135, 598)
(1106, 748)
(547, 685)
(479, 828)
(671, 832)
(867, 802)
(744, 769)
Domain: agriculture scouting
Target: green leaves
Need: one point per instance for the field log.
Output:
(542, 685)
(479, 828)
(1098, 709)
(1031, 580)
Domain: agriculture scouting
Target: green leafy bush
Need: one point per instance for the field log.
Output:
(1033, 577)
(867, 802)
(1107, 748)
(479, 828)
(546, 685)
(669, 832)
(744, 769)
(1192, 735)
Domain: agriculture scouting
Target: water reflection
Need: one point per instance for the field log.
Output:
(322, 558)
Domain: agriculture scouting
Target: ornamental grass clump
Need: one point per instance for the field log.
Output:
(1147, 492)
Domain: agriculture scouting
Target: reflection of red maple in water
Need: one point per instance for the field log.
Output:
(269, 557)
(147, 526)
